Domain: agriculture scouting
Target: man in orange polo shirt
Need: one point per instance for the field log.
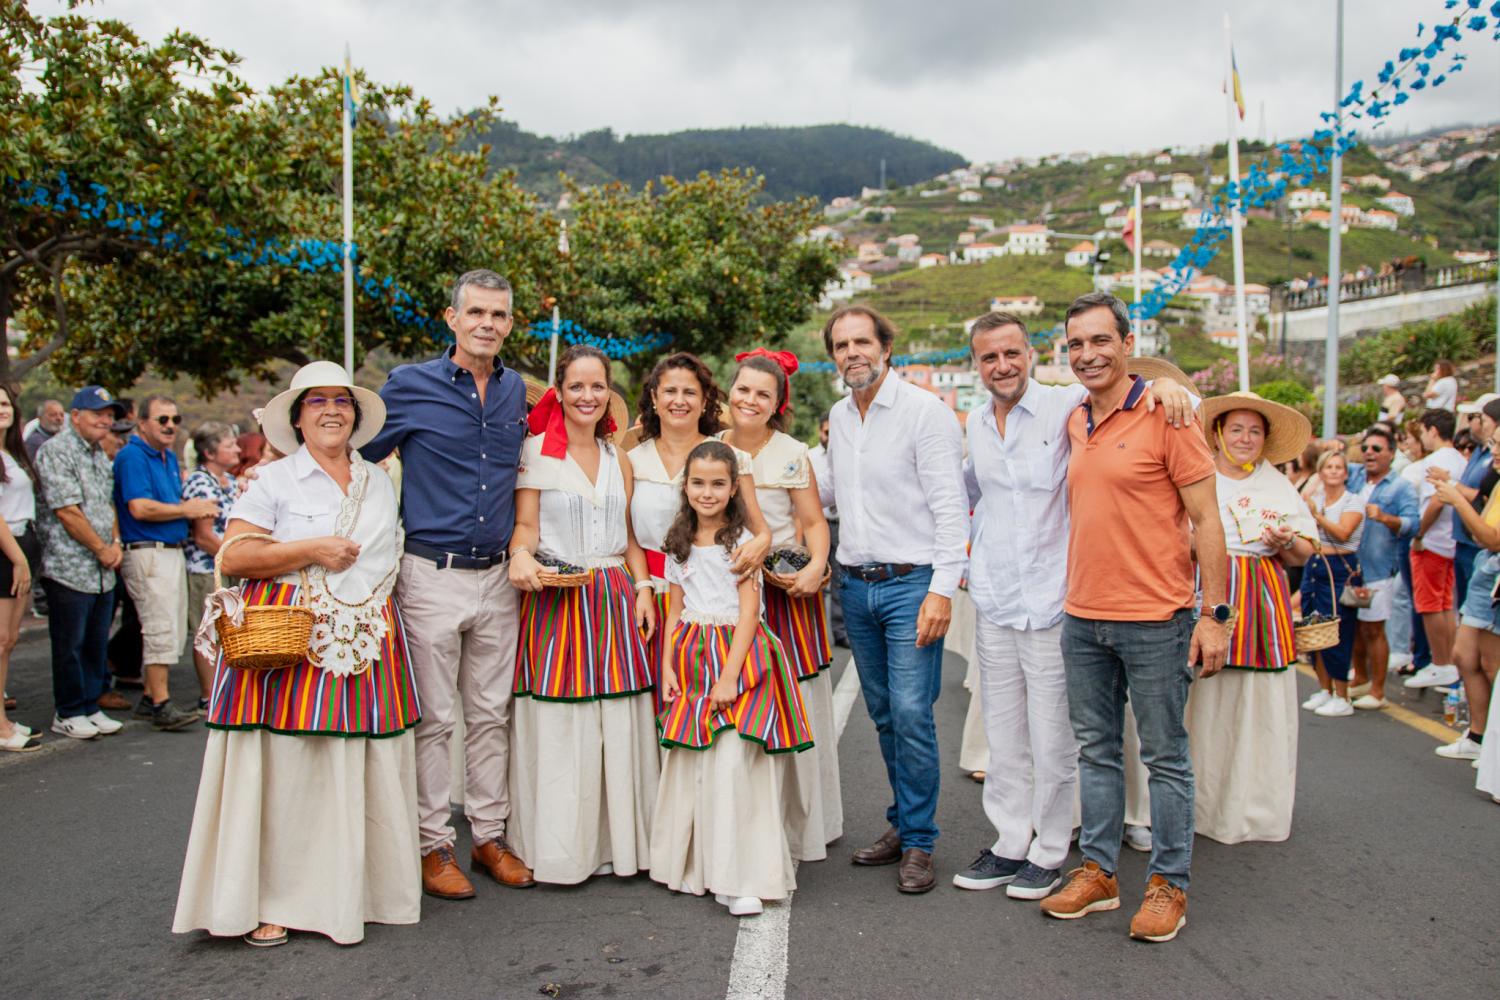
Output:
(1133, 486)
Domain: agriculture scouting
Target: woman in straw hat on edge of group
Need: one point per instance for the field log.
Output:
(306, 816)
(1242, 722)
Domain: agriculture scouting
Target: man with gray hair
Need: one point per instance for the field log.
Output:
(459, 421)
(50, 417)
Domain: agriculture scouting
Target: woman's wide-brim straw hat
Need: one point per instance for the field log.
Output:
(1152, 369)
(1287, 430)
(536, 388)
(276, 418)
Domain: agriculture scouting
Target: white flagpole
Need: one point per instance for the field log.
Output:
(1236, 222)
(562, 249)
(344, 103)
(1136, 319)
(1335, 242)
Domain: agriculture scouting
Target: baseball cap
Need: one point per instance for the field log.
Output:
(96, 397)
(1477, 405)
(1390, 380)
(122, 427)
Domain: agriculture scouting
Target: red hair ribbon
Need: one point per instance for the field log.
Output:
(785, 360)
(547, 419)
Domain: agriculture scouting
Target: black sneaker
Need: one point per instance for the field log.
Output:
(168, 718)
(202, 710)
(1033, 882)
(988, 871)
(144, 709)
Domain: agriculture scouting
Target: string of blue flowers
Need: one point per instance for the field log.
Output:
(134, 222)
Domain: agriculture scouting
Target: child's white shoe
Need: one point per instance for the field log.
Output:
(745, 906)
(721, 899)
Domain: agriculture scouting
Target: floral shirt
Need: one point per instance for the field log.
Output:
(204, 485)
(76, 474)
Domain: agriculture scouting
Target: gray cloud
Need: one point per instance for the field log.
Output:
(987, 79)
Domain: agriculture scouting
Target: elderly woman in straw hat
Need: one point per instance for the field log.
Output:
(307, 815)
(1242, 722)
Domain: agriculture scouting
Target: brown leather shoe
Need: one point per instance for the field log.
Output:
(1162, 914)
(915, 874)
(115, 701)
(441, 876)
(885, 851)
(1088, 890)
(496, 858)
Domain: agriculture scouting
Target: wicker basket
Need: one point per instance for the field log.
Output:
(1322, 635)
(563, 580)
(272, 637)
(781, 582)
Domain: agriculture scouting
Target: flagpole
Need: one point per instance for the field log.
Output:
(562, 251)
(1135, 317)
(344, 102)
(1236, 222)
(1335, 241)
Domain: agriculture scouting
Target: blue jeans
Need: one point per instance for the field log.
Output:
(1463, 569)
(1421, 653)
(78, 625)
(900, 683)
(1104, 660)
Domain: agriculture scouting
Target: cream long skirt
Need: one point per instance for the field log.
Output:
(1488, 778)
(717, 826)
(315, 833)
(582, 784)
(812, 800)
(1242, 728)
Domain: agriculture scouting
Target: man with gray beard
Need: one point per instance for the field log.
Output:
(896, 475)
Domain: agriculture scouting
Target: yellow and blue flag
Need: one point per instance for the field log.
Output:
(351, 90)
(1234, 73)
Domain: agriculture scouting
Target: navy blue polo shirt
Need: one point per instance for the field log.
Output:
(459, 458)
(143, 473)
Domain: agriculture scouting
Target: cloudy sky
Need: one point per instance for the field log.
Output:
(989, 80)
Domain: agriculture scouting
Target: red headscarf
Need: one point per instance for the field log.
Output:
(785, 360)
(546, 418)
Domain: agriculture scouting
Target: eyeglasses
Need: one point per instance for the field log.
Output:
(175, 419)
(323, 402)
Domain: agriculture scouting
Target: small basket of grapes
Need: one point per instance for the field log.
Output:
(1315, 632)
(563, 575)
(784, 562)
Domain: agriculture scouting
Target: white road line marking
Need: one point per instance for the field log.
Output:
(759, 968)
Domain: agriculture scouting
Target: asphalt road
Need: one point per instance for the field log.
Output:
(1388, 888)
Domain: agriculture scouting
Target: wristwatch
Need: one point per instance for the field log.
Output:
(1220, 613)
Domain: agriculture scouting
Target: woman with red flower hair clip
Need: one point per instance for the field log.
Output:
(787, 493)
(584, 761)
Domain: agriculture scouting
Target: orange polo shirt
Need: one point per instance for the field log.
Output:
(1128, 553)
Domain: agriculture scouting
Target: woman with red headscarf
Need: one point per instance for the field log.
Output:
(584, 760)
(760, 411)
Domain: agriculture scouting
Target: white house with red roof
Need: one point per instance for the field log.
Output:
(1027, 240)
(1020, 305)
(1081, 255)
(1399, 203)
(979, 252)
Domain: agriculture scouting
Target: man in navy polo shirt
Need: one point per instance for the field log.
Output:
(153, 527)
(459, 421)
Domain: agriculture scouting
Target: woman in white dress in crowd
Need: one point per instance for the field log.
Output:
(1242, 722)
(759, 408)
(584, 760)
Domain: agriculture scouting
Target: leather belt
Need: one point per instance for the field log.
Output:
(152, 545)
(875, 572)
(452, 560)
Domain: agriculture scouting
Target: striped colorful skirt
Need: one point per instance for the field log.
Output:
(581, 643)
(305, 700)
(768, 710)
(1262, 638)
(801, 623)
(656, 649)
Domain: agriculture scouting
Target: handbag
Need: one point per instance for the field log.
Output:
(1353, 596)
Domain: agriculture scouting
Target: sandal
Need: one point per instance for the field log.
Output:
(266, 942)
(19, 742)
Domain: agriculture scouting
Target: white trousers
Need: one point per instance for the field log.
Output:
(1029, 787)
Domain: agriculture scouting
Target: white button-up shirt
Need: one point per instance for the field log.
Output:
(1018, 563)
(896, 477)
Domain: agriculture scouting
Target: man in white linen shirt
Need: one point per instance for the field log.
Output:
(1016, 474)
(896, 475)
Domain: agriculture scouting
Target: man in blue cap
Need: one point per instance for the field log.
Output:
(80, 555)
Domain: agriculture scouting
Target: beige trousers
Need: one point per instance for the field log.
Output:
(156, 580)
(461, 631)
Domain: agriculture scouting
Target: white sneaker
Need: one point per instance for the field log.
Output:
(1138, 838)
(1433, 675)
(76, 726)
(745, 906)
(105, 725)
(1397, 660)
(1462, 748)
(1359, 690)
(1318, 700)
(1335, 708)
(605, 869)
(1369, 702)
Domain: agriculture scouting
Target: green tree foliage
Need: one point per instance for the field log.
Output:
(1411, 349)
(699, 260)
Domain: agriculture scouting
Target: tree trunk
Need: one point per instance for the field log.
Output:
(7, 309)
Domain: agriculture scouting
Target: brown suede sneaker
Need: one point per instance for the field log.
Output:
(1162, 914)
(1088, 890)
(441, 876)
(497, 859)
(885, 851)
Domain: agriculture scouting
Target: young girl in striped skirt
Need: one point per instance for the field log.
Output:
(759, 406)
(717, 826)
